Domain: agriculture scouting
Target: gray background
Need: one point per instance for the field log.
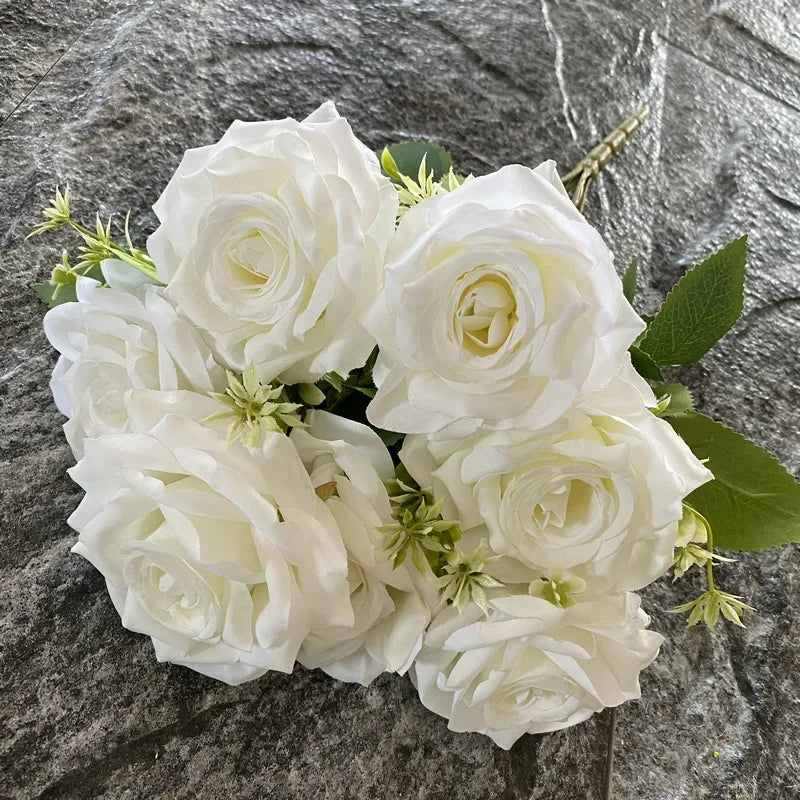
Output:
(108, 95)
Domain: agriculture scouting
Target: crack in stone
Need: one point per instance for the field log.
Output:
(478, 59)
(721, 11)
(492, 165)
(783, 202)
(92, 777)
(566, 105)
(658, 79)
(295, 44)
(737, 78)
(763, 735)
(754, 314)
(54, 64)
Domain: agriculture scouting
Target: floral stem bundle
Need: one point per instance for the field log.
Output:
(368, 414)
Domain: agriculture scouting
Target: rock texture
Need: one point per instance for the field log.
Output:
(106, 96)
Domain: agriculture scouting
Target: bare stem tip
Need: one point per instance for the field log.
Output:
(578, 179)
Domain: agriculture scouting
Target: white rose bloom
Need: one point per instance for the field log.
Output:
(348, 464)
(533, 667)
(272, 241)
(112, 341)
(225, 556)
(598, 494)
(501, 306)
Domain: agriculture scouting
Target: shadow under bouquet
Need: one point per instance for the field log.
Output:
(367, 414)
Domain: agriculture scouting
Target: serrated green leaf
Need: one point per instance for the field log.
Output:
(753, 503)
(629, 281)
(680, 398)
(46, 292)
(407, 156)
(645, 365)
(701, 308)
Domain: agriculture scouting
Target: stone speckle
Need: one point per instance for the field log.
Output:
(106, 96)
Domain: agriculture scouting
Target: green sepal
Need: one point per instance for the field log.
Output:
(675, 398)
(310, 394)
(700, 309)
(753, 502)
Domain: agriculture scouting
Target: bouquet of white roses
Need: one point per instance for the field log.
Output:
(366, 414)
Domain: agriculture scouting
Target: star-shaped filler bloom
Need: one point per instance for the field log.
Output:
(254, 408)
(410, 192)
(557, 588)
(464, 578)
(708, 606)
(418, 529)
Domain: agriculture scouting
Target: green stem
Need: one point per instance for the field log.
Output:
(709, 563)
(144, 265)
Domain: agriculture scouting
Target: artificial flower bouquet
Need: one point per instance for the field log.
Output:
(367, 414)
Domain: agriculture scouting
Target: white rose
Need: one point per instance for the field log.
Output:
(348, 464)
(501, 306)
(598, 493)
(112, 341)
(272, 241)
(532, 667)
(225, 556)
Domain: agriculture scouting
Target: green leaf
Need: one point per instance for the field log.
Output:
(629, 281)
(645, 365)
(53, 295)
(679, 396)
(46, 292)
(405, 157)
(366, 370)
(335, 380)
(701, 308)
(389, 438)
(753, 502)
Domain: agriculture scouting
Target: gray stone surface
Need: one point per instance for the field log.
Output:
(108, 95)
